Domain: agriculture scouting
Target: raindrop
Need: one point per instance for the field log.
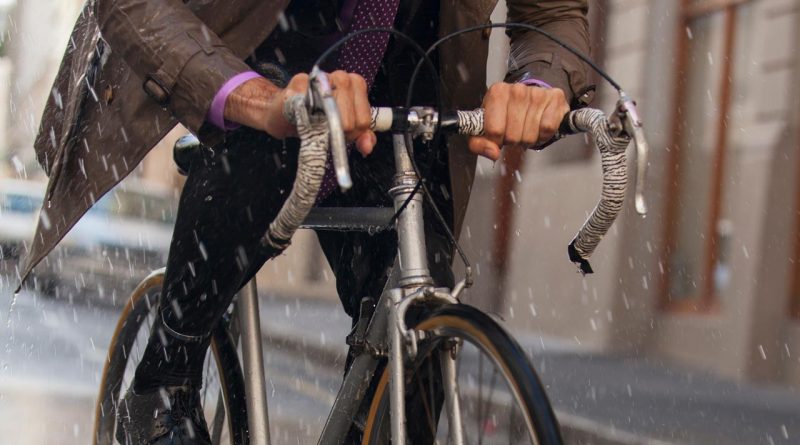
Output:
(45, 219)
(164, 400)
(282, 22)
(463, 73)
(189, 427)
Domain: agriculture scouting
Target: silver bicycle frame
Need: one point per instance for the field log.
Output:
(253, 365)
(386, 335)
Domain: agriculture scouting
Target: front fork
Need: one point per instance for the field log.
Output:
(415, 286)
(404, 345)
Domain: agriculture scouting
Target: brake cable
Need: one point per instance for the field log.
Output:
(425, 59)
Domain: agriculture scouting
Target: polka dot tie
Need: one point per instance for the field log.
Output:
(363, 55)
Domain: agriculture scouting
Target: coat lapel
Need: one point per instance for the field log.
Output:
(465, 80)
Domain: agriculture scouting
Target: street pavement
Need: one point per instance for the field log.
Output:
(53, 351)
(600, 399)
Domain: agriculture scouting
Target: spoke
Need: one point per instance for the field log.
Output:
(479, 411)
(511, 424)
(458, 370)
(488, 404)
(426, 405)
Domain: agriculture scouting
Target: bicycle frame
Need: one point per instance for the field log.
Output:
(386, 335)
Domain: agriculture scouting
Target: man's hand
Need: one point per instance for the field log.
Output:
(518, 115)
(258, 104)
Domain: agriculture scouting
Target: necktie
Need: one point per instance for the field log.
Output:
(363, 53)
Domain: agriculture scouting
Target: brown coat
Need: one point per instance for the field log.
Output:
(160, 62)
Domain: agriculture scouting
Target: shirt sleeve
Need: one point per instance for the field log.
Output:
(182, 63)
(216, 113)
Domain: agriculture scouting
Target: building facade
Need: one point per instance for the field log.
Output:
(710, 278)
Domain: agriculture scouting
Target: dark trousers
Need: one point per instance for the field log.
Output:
(235, 189)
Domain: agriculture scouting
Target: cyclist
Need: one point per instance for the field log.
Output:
(223, 69)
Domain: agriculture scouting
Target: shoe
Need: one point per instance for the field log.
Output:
(167, 416)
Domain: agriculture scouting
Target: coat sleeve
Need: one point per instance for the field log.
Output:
(539, 57)
(182, 63)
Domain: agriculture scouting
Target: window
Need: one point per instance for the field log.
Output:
(697, 231)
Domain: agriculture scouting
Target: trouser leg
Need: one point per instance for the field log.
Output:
(362, 262)
(234, 190)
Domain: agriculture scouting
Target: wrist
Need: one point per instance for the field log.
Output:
(250, 102)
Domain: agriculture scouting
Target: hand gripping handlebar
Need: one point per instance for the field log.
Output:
(610, 135)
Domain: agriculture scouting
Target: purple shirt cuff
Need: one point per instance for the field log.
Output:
(216, 113)
(535, 82)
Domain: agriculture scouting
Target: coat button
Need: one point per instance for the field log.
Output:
(108, 94)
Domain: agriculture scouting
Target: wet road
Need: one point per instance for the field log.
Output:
(52, 355)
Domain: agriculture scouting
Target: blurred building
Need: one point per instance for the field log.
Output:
(711, 277)
(38, 32)
(36, 38)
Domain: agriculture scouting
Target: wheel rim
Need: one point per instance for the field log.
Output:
(486, 393)
(139, 315)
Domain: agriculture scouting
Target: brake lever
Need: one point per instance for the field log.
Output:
(320, 97)
(625, 120)
(631, 123)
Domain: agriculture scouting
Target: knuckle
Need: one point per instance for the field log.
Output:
(493, 130)
(519, 91)
(513, 137)
(538, 94)
(340, 78)
(549, 127)
(363, 123)
(544, 135)
(298, 82)
(529, 137)
(347, 121)
(498, 89)
(358, 81)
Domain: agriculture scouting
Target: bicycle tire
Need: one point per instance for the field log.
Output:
(471, 326)
(135, 313)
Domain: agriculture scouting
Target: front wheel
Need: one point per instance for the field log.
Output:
(500, 396)
(223, 385)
